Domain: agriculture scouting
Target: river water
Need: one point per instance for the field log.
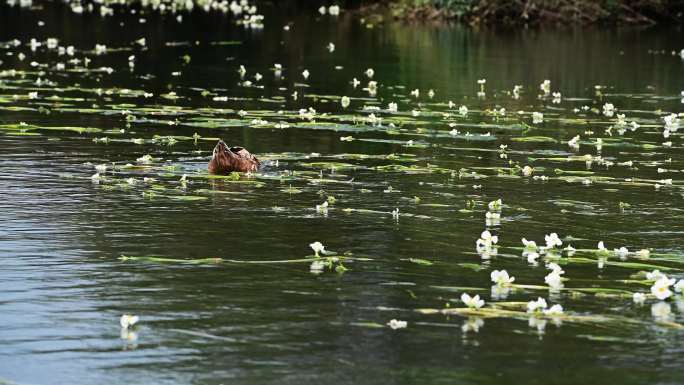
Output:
(210, 315)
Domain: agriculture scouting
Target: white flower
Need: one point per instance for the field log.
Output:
(601, 246)
(545, 86)
(495, 205)
(415, 93)
(639, 298)
(574, 142)
(486, 241)
(330, 47)
(345, 101)
(661, 287)
(128, 320)
(392, 107)
(372, 87)
(537, 117)
(306, 74)
(554, 310)
(516, 91)
(334, 10)
(621, 252)
(322, 10)
(397, 324)
(555, 268)
(679, 286)
(608, 109)
(431, 93)
(370, 72)
(654, 275)
(463, 110)
(554, 280)
(501, 278)
(552, 240)
(538, 305)
(317, 247)
(100, 49)
(472, 302)
(671, 122)
(145, 159)
(531, 245)
(323, 207)
(527, 171)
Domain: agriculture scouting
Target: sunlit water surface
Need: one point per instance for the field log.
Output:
(64, 285)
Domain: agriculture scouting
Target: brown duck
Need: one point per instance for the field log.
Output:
(229, 159)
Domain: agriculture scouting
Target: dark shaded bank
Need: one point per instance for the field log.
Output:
(535, 11)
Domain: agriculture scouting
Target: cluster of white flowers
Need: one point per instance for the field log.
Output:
(608, 109)
(307, 114)
(672, 122)
(540, 306)
(545, 86)
(537, 117)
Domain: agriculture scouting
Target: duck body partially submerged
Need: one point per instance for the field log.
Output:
(232, 159)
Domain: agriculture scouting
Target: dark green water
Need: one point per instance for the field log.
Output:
(62, 234)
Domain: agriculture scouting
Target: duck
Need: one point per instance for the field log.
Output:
(232, 159)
